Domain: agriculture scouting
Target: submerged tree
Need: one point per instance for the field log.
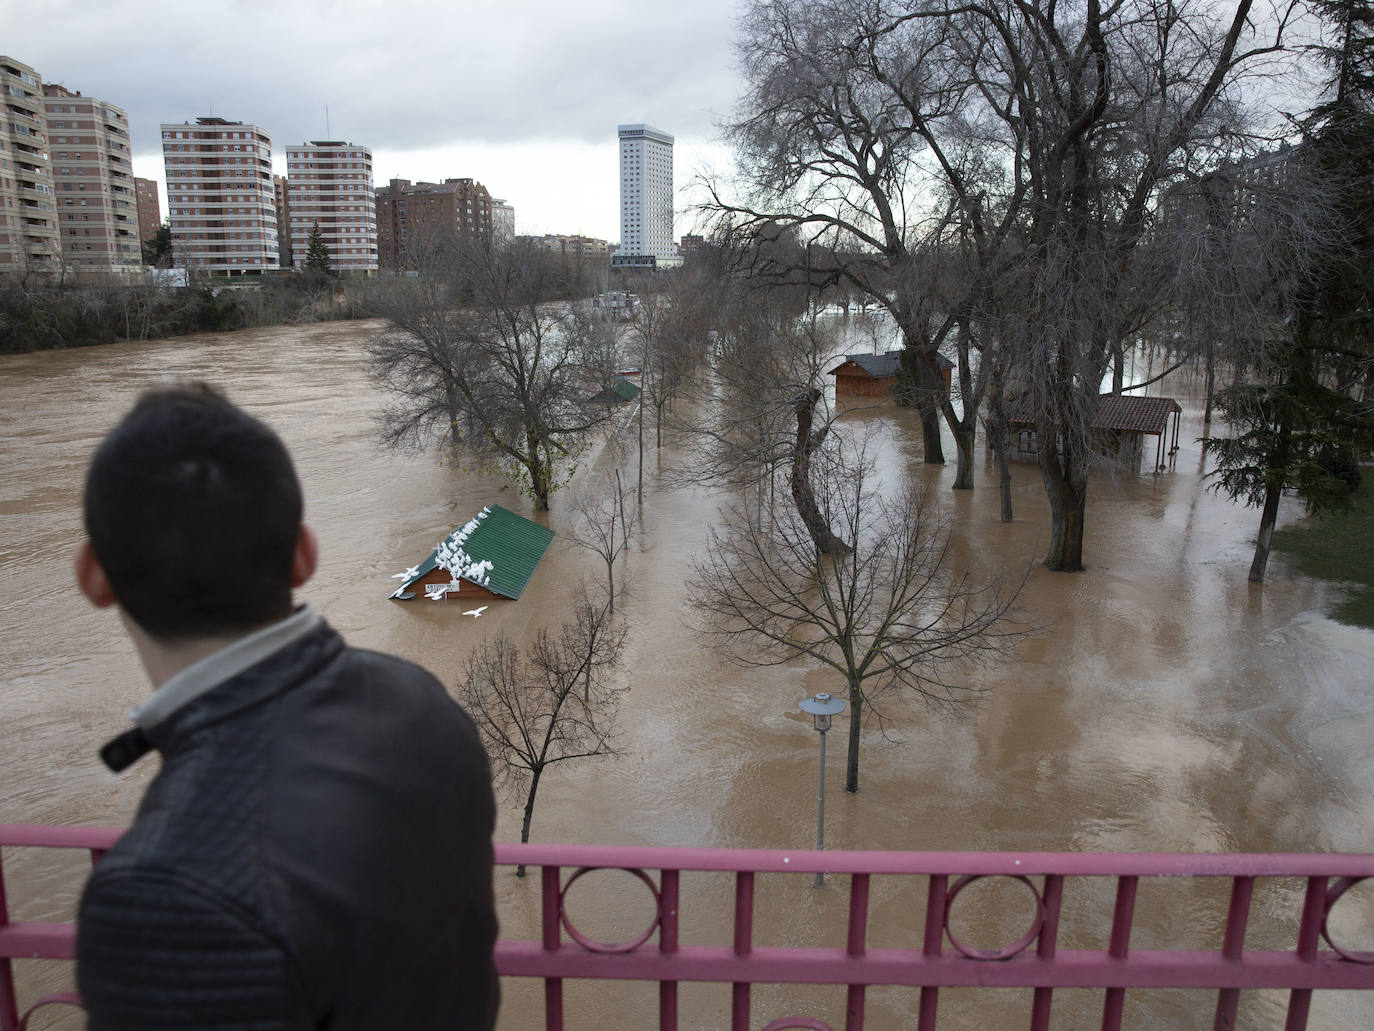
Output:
(474, 354)
(893, 615)
(550, 703)
(932, 152)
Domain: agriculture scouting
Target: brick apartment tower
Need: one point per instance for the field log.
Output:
(93, 176)
(149, 208)
(407, 213)
(219, 196)
(331, 184)
(29, 239)
(281, 195)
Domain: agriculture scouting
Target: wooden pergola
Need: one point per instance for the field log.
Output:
(1118, 426)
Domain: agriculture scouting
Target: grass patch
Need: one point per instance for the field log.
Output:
(1339, 546)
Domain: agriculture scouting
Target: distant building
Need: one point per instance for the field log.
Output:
(281, 201)
(29, 238)
(409, 212)
(219, 196)
(149, 208)
(93, 179)
(691, 246)
(646, 196)
(502, 222)
(331, 185)
(569, 246)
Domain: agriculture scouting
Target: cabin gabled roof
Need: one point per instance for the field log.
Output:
(496, 549)
(619, 391)
(882, 366)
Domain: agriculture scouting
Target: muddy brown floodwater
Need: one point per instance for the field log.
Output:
(1169, 706)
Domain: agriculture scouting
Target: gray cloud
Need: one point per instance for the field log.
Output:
(394, 76)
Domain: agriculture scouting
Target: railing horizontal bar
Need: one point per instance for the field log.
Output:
(38, 941)
(1070, 864)
(1069, 969)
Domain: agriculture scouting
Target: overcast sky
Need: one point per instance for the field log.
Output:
(522, 95)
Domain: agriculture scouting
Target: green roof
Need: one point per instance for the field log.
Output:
(619, 391)
(501, 550)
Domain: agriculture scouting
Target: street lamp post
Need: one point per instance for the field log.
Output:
(821, 708)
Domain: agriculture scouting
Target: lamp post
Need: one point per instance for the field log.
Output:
(821, 708)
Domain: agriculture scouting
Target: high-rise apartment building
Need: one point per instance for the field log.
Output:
(29, 239)
(219, 195)
(646, 196)
(149, 208)
(331, 186)
(93, 181)
(409, 214)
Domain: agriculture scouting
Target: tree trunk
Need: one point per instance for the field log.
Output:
(999, 450)
(963, 442)
(529, 814)
(1068, 493)
(856, 709)
(802, 494)
(1211, 383)
(1118, 368)
(1268, 518)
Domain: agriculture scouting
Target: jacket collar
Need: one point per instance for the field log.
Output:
(308, 646)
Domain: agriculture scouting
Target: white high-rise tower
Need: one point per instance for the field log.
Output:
(646, 195)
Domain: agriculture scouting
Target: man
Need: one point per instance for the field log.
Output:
(316, 849)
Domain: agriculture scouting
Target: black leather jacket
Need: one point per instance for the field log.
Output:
(314, 853)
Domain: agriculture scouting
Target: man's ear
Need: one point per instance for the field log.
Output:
(306, 557)
(90, 577)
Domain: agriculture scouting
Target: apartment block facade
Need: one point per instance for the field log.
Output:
(29, 239)
(281, 196)
(219, 196)
(330, 185)
(149, 208)
(646, 196)
(93, 180)
(580, 247)
(408, 214)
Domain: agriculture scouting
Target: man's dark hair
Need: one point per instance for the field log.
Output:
(193, 509)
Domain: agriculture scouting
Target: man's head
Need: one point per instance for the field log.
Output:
(193, 514)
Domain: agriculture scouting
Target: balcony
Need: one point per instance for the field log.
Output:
(683, 941)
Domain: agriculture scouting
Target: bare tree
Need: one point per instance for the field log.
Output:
(606, 525)
(890, 616)
(550, 703)
(475, 354)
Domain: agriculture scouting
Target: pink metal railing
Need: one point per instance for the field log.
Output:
(1033, 961)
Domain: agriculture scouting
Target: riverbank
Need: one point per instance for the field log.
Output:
(1335, 546)
(50, 318)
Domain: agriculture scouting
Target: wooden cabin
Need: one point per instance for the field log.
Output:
(872, 376)
(492, 555)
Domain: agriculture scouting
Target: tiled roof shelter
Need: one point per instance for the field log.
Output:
(1118, 424)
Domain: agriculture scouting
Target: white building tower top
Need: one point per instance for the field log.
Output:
(646, 196)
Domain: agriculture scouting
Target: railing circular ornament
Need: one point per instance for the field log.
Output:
(591, 944)
(804, 1023)
(1006, 951)
(56, 999)
(1333, 895)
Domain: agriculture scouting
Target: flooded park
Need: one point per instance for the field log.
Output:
(1167, 705)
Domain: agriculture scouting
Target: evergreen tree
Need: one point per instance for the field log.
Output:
(1306, 426)
(317, 252)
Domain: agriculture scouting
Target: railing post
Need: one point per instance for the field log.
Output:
(9, 1007)
(744, 944)
(931, 946)
(549, 916)
(856, 947)
(1045, 948)
(1119, 948)
(1233, 948)
(667, 945)
(1313, 910)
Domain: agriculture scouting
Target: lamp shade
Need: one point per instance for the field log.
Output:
(822, 707)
